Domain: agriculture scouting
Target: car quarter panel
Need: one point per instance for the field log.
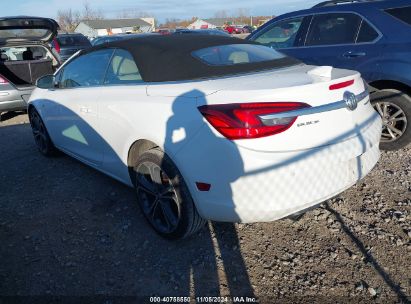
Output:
(128, 114)
(395, 71)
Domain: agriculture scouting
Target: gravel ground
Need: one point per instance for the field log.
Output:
(67, 230)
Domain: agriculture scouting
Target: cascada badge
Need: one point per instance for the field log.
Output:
(350, 100)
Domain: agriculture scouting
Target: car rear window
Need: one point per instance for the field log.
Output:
(234, 54)
(24, 33)
(333, 29)
(402, 13)
(66, 41)
(367, 33)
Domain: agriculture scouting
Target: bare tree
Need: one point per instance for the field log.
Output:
(177, 23)
(68, 19)
(91, 14)
(243, 15)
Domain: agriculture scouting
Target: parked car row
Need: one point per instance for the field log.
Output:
(236, 29)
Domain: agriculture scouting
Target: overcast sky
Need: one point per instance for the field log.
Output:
(160, 9)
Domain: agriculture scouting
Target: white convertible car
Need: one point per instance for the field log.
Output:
(209, 127)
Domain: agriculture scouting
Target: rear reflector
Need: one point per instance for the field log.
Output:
(242, 120)
(3, 80)
(56, 45)
(341, 85)
(203, 187)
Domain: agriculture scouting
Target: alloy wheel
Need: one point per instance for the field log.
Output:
(39, 131)
(158, 197)
(394, 121)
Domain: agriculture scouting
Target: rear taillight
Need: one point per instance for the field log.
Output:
(3, 80)
(242, 121)
(203, 187)
(56, 45)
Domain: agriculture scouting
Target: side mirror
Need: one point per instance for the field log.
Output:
(46, 82)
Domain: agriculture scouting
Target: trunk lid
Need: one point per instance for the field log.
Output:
(316, 86)
(22, 28)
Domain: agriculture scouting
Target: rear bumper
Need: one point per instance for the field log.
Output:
(251, 186)
(14, 99)
(297, 187)
(13, 105)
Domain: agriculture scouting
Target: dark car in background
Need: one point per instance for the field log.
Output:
(165, 31)
(109, 38)
(372, 37)
(117, 37)
(248, 28)
(106, 39)
(68, 44)
(25, 56)
(201, 32)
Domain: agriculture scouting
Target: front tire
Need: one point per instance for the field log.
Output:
(164, 197)
(41, 136)
(394, 107)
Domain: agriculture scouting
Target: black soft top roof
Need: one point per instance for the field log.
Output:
(168, 58)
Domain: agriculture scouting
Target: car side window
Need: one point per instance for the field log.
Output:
(86, 70)
(122, 69)
(281, 34)
(333, 29)
(367, 33)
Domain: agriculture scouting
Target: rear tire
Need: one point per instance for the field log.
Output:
(41, 136)
(394, 107)
(164, 197)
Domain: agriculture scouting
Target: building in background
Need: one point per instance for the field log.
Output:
(103, 27)
(150, 20)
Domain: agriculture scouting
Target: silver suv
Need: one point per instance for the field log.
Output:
(25, 56)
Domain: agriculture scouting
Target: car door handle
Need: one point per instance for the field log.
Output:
(351, 54)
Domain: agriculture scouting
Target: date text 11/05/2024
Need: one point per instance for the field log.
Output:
(203, 300)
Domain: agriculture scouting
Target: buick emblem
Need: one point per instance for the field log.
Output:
(350, 101)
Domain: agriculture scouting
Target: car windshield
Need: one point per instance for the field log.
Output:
(234, 54)
(72, 41)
